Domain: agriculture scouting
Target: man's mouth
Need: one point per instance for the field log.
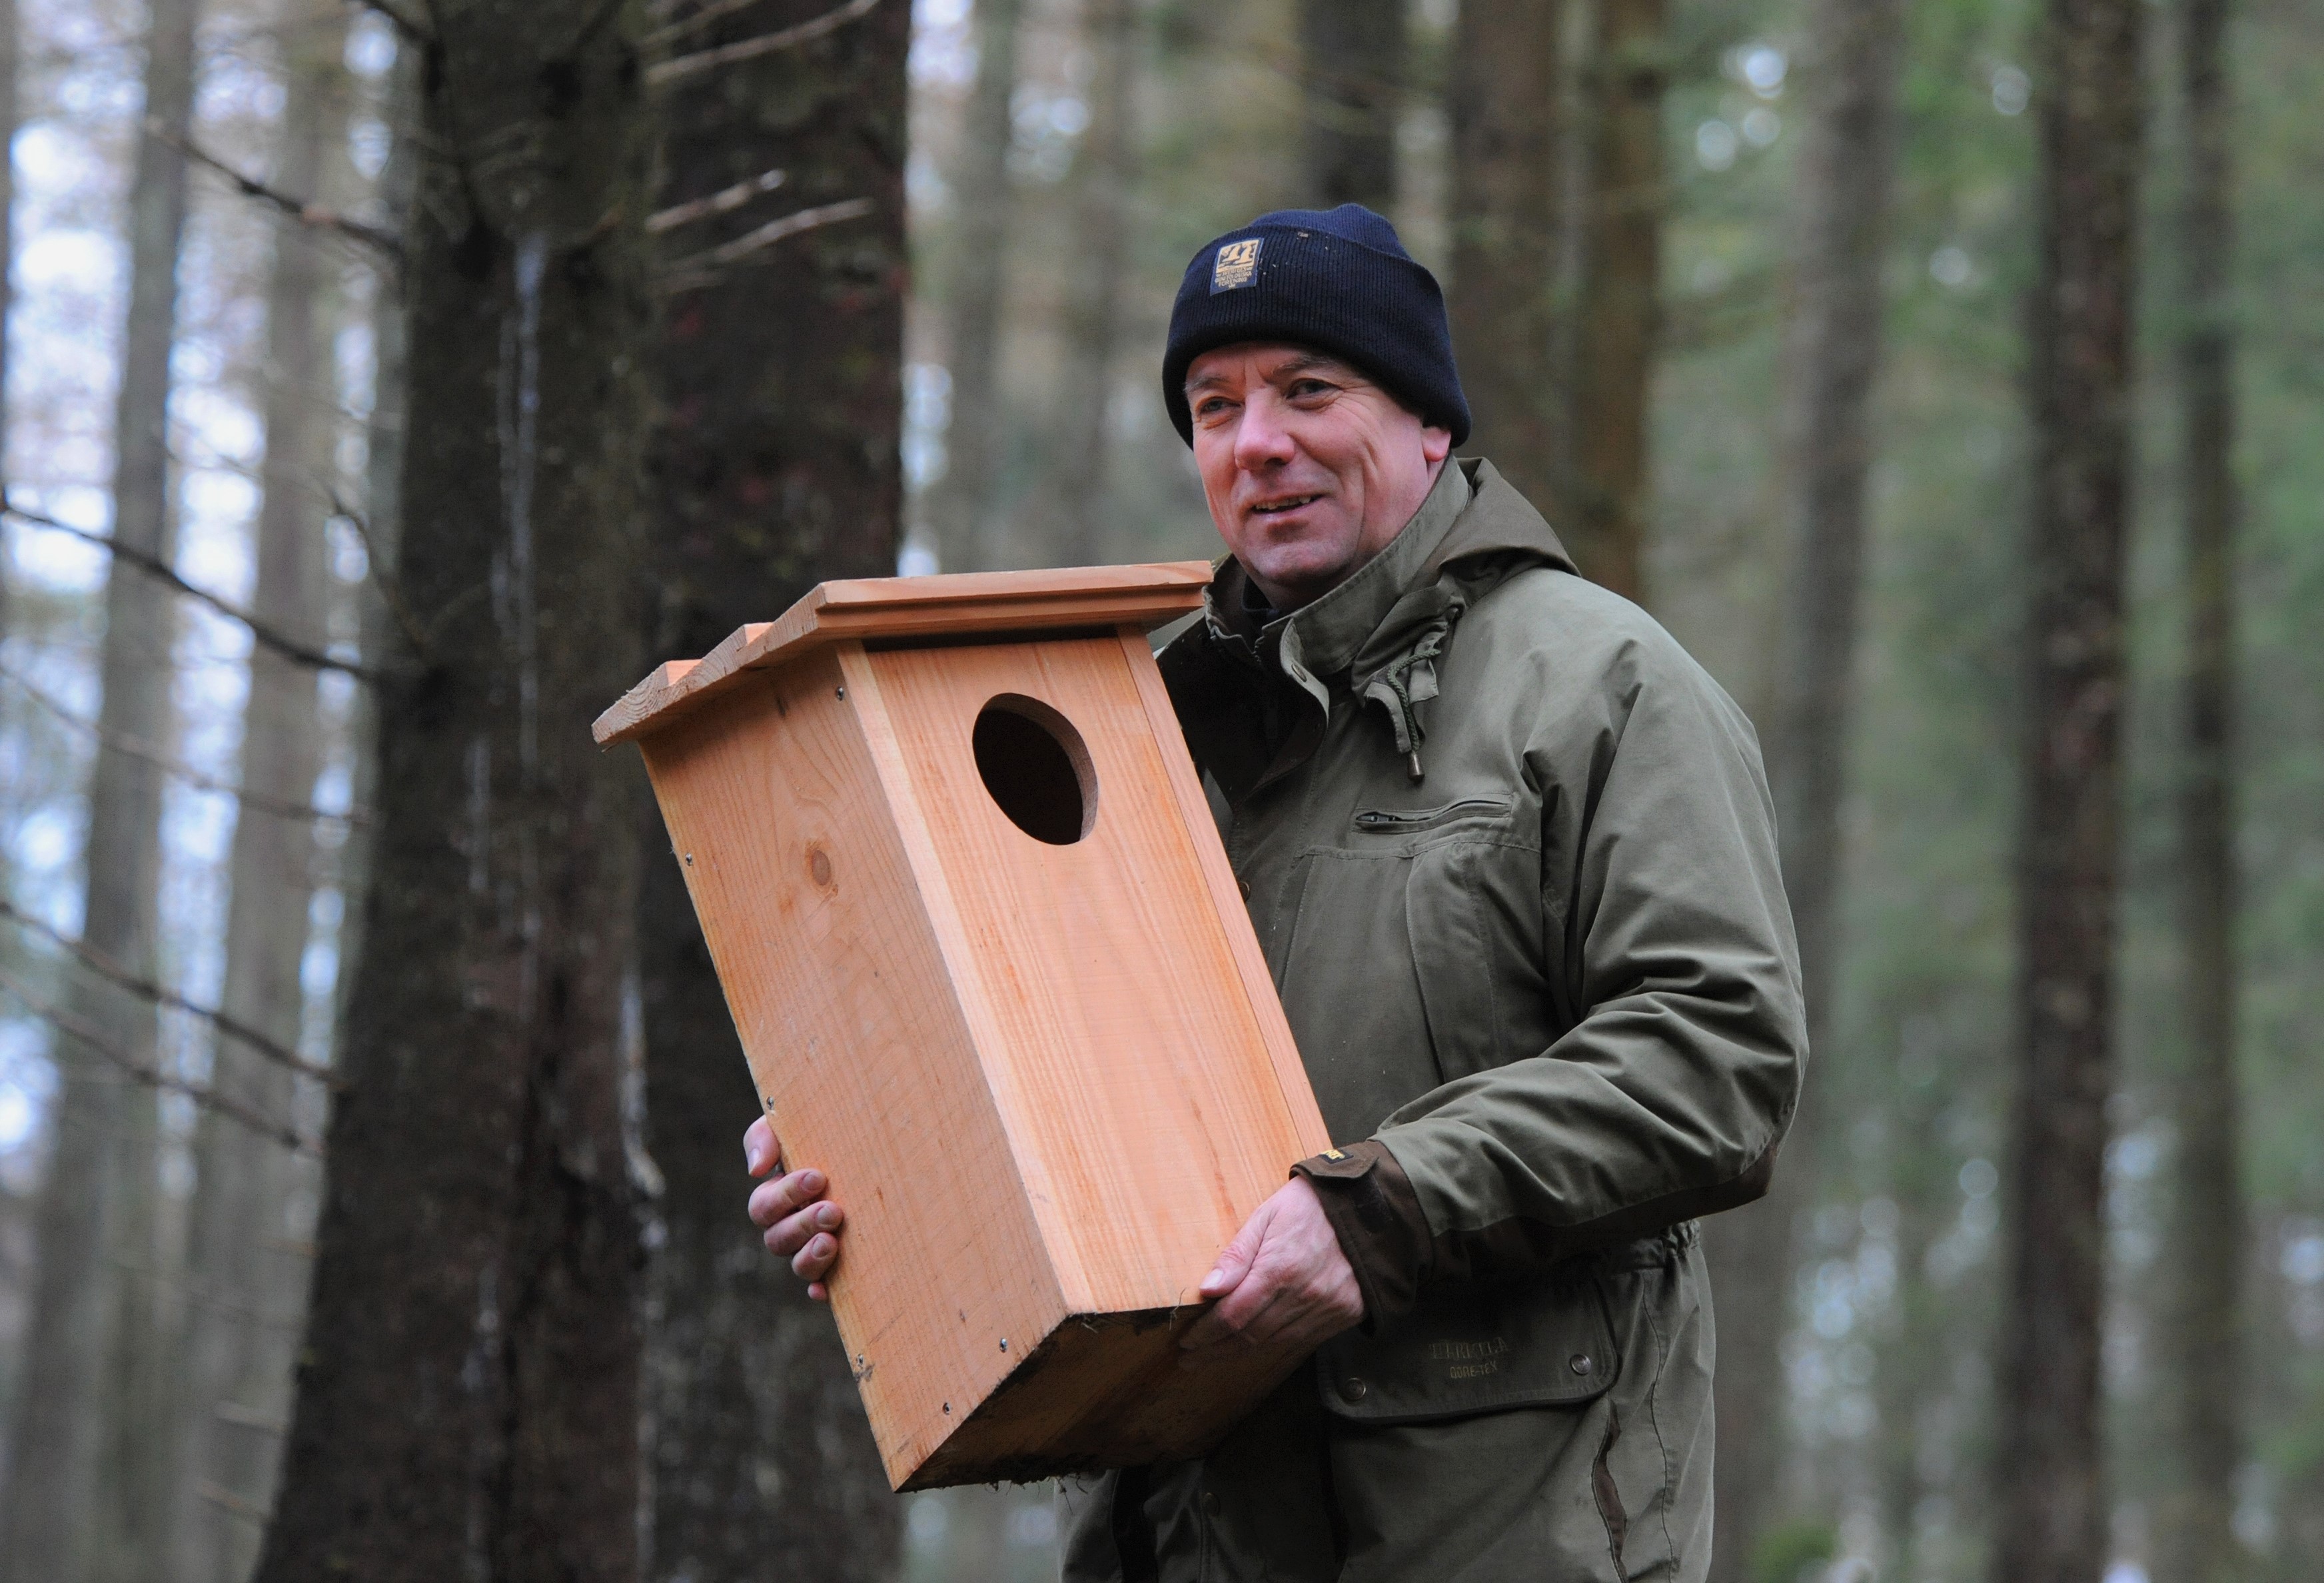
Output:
(1287, 503)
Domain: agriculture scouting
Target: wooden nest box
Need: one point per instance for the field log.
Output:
(994, 977)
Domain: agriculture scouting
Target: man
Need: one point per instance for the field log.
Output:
(1511, 857)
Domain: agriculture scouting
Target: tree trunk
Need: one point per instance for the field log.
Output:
(379, 632)
(1105, 168)
(11, 110)
(1605, 525)
(1841, 205)
(962, 503)
(467, 1390)
(775, 467)
(2052, 1511)
(75, 1474)
(2196, 1535)
(1354, 54)
(236, 1355)
(1508, 289)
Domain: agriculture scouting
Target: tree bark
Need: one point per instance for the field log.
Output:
(467, 1390)
(2052, 1511)
(775, 467)
(1605, 525)
(2196, 1536)
(235, 1366)
(75, 1472)
(963, 501)
(1841, 203)
(1507, 224)
(1354, 53)
(1105, 168)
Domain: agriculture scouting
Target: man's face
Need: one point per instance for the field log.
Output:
(1309, 468)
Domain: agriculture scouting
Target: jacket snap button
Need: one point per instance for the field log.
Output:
(1243, 885)
(1354, 1389)
(1580, 1363)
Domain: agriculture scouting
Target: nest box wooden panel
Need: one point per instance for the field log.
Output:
(993, 975)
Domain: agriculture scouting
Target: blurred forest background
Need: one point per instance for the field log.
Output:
(389, 385)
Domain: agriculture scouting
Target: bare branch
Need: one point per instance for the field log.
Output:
(129, 746)
(725, 200)
(313, 215)
(154, 567)
(692, 23)
(217, 1495)
(93, 1038)
(702, 268)
(790, 38)
(114, 973)
(391, 588)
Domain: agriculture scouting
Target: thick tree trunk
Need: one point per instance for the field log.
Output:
(236, 1355)
(775, 467)
(1841, 205)
(2052, 1526)
(1605, 525)
(1354, 53)
(467, 1390)
(1507, 286)
(1105, 168)
(2197, 1542)
(75, 1472)
(963, 501)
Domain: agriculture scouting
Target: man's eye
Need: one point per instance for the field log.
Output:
(1210, 406)
(1305, 388)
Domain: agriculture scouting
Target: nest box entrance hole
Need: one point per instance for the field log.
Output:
(1037, 768)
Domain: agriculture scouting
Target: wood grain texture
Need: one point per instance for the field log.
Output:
(1226, 894)
(958, 605)
(856, 1042)
(1138, 1087)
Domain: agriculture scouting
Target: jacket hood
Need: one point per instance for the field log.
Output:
(1384, 628)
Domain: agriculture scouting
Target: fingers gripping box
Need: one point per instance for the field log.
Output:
(993, 976)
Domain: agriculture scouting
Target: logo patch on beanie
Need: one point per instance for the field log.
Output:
(1236, 265)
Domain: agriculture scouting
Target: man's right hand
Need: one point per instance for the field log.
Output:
(800, 1224)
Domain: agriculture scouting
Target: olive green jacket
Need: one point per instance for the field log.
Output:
(1512, 858)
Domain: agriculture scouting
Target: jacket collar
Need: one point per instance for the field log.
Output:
(1383, 629)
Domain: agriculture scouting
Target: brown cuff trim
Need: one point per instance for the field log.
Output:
(1377, 1219)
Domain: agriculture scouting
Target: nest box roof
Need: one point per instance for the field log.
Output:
(966, 606)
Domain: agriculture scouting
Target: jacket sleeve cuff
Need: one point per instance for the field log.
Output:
(1377, 1219)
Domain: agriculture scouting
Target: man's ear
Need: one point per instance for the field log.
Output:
(1435, 443)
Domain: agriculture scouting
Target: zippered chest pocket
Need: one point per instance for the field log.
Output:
(1414, 821)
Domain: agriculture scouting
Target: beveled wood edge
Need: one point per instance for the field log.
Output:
(1226, 896)
(950, 603)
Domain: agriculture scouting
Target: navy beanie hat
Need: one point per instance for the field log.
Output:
(1338, 280)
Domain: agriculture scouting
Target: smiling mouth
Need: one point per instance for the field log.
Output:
(1275, 508)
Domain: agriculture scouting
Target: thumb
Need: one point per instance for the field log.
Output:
(1235, 1259)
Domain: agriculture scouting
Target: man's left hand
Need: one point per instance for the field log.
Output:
(1283, 1280)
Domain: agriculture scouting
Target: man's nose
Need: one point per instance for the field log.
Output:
(1260, 438)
